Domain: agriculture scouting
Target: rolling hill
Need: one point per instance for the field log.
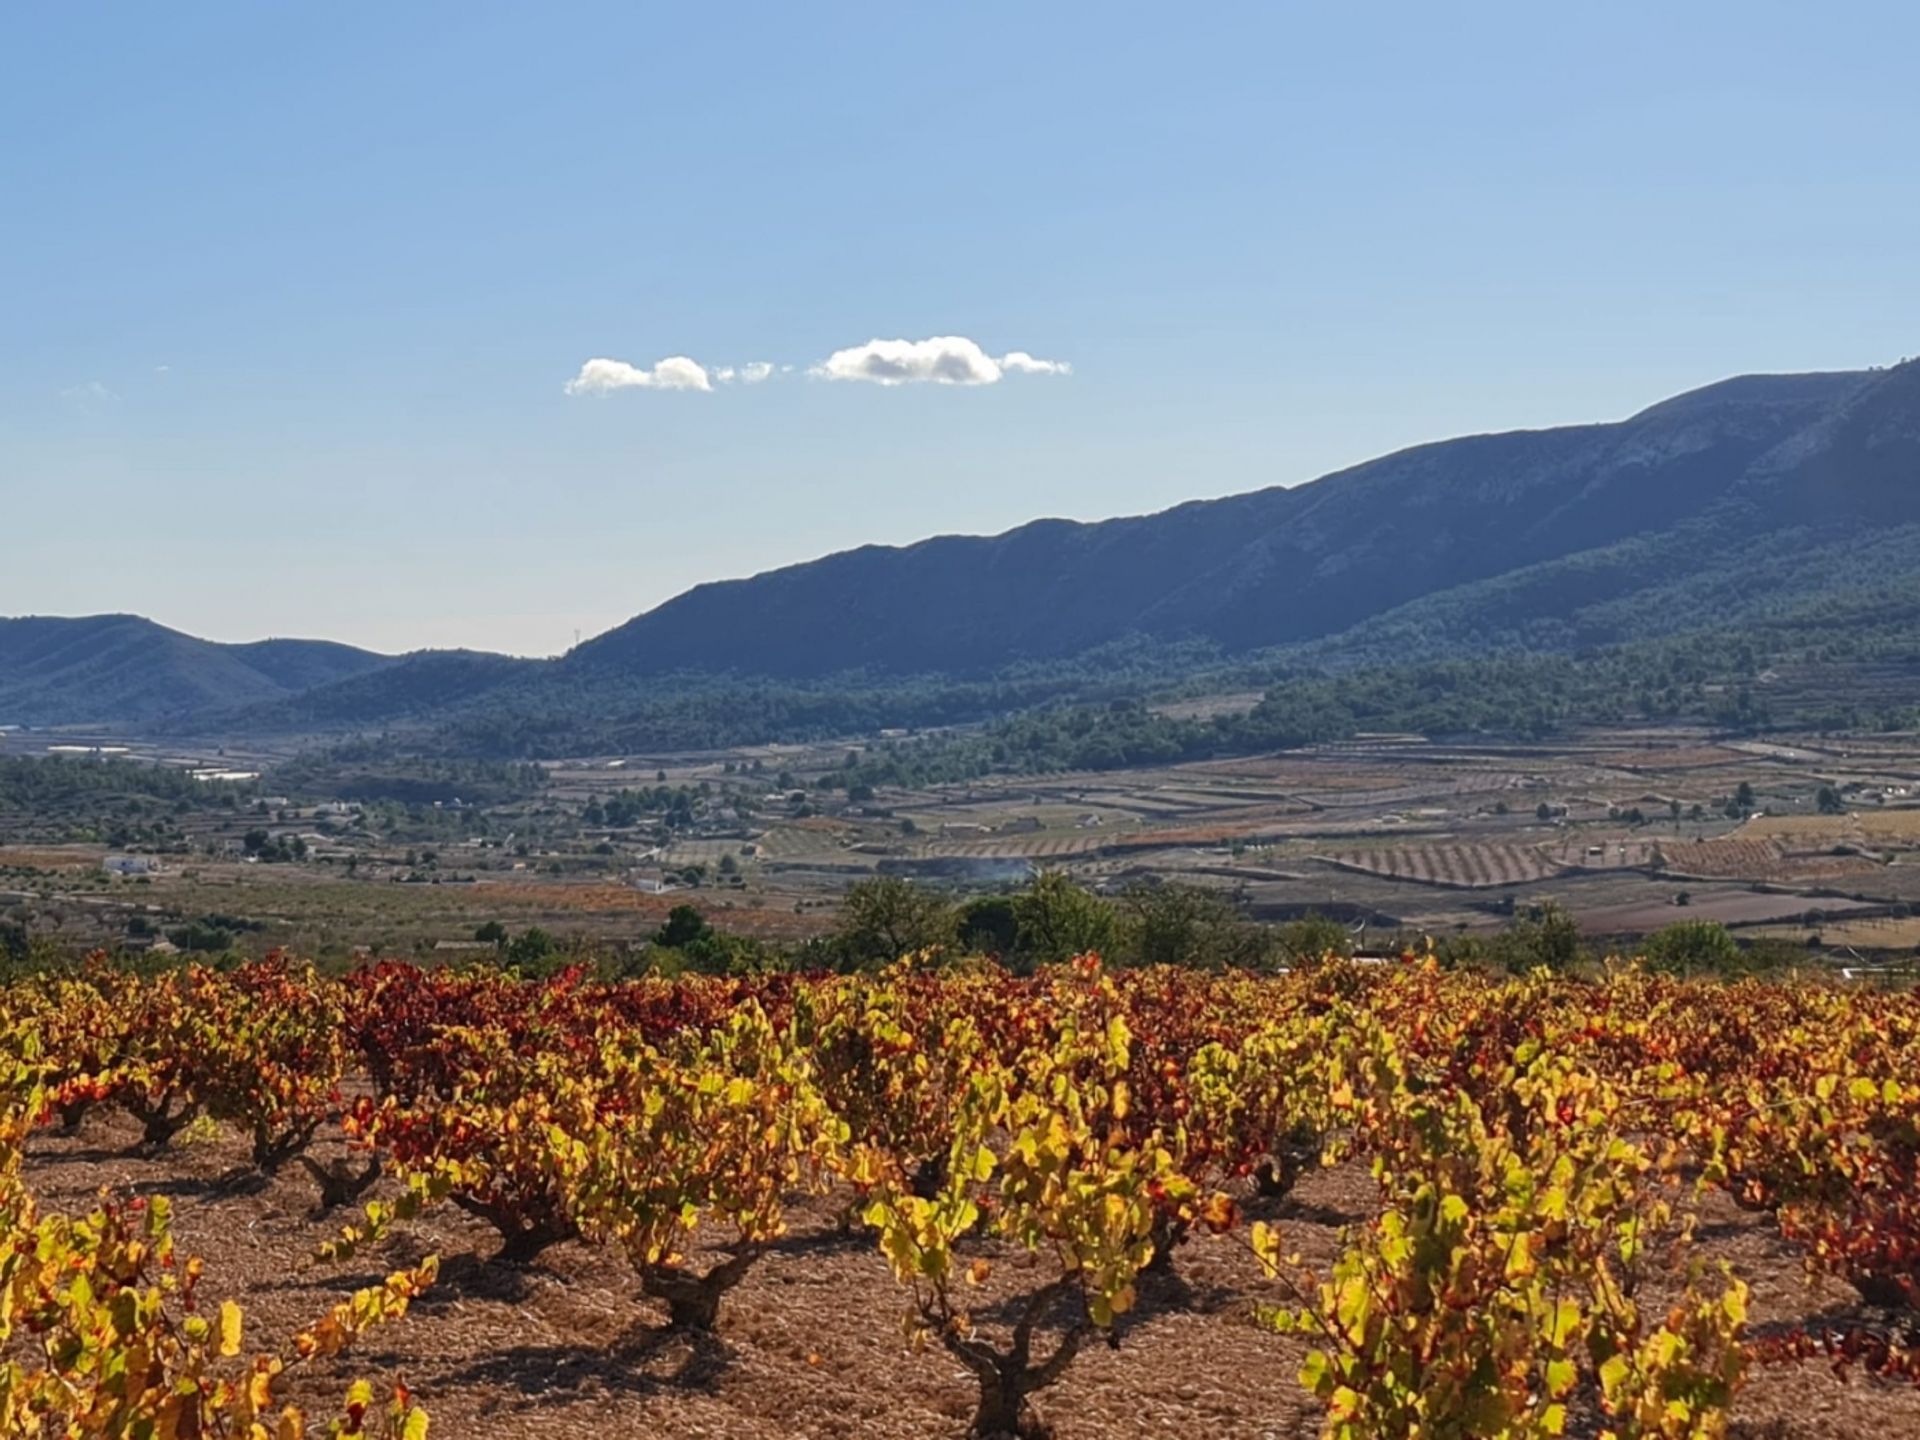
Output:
(121, 669)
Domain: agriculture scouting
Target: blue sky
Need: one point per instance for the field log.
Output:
(290, 296)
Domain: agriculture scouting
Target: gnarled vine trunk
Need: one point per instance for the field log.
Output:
(271, 1151)
(521, 1238)
(73, 1114)
(693, 1301)
(1008, 1378)
(1293, 1154)
(340, 1184)
(930, 1176)
(161, 1120)
(1167, 1233)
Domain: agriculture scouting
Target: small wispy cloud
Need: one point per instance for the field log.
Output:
(1019, 362)
(603, 377)
(89, 395)
(752, 373)
(940, 360)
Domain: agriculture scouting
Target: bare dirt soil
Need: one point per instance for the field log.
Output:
(811, 1344)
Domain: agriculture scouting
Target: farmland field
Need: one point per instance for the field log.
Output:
(1724, 859)
(1754, 859)
(1884, 932)
(1725, 907)
(1462, 865)
(1424, 837)
(519, 899)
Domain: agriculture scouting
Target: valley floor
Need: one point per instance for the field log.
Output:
(1807, 839)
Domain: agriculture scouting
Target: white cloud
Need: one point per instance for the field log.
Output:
(752, 373)
(89, 395)
(602, 377)
(1019, 362)
(941, 360)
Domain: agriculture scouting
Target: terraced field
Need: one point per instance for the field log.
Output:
(1813, 830)
(1019, 847)
(1463, 866)
(800, 840)
(1890, 826)
(1774, 860)
(60, 857)
(1730, 859)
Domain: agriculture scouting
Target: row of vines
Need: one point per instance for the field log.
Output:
(1540, 1148)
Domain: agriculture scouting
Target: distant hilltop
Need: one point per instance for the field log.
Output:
(1731, 500)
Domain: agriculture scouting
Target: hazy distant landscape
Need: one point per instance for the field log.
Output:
(1647, 672)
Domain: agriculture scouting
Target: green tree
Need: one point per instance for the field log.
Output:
(1190, 925)
(1690, 947)
(1055, 920)
(685, 926)
(1311, 939)
(203, 937)
(887, 917)
(1548, 936)
(1829, 801)
(988, 926)
(688, 942)
(532, 948)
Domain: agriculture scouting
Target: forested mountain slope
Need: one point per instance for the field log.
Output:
(102, 669)
(1588, 514)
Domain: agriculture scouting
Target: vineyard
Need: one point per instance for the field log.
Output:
(1358, 1201)
(1762, 860)
(1463, 866)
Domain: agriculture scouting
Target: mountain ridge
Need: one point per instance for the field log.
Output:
(1270, 566)
(1728, 499)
